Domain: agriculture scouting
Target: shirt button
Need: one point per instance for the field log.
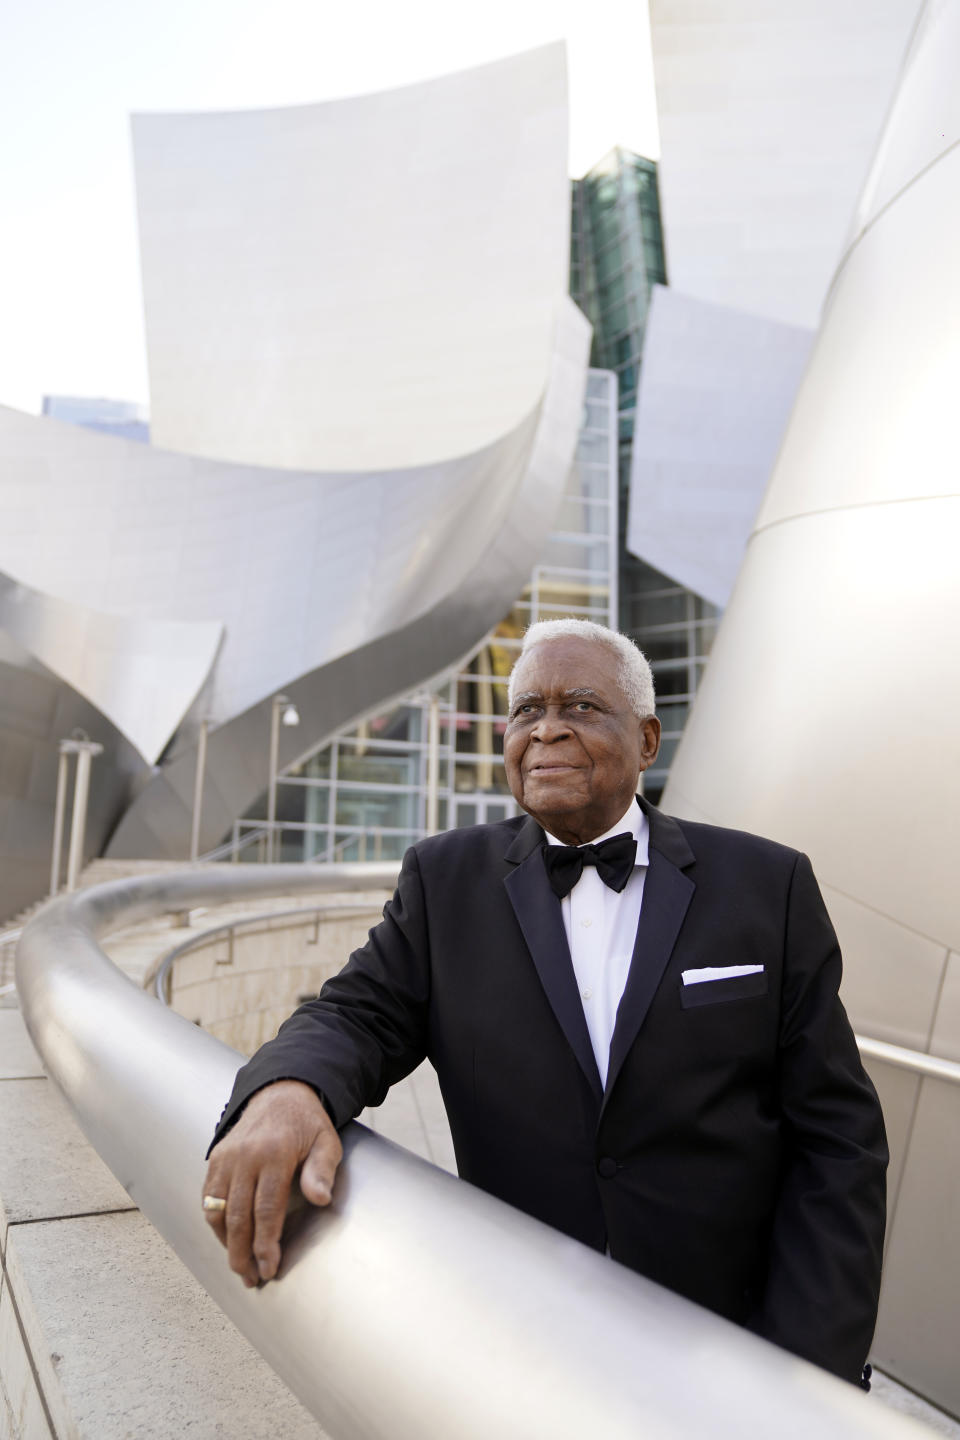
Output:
(587, 994)
(607, 1167)
(586, 924)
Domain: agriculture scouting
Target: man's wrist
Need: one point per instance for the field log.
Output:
(295, 1080)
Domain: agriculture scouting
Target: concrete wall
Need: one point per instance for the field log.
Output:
(241, 985)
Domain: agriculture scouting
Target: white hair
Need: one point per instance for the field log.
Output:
(634, 675)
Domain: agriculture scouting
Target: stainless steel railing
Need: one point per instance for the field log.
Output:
(301, 917)
(416, 1308)
(917, 1061)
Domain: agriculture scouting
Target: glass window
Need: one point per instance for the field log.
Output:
(660, 608)
(317, 767)
(615, 321)
(594, 445)
(590, 480)
(612, 293)
(662, 647)
(673, 717)
(672, 680)
(653, 259)
(373, 769)
(599, 386)
(578, 553)
(623, 349)
(605, 227)
(587, 517)
(466, 777)
(369, 847)
(706, 633)
(596, 417)
(653, 783)
(609, 262)
(374, 809)
(479, 737)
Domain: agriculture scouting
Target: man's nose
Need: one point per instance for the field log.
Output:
(550, 727)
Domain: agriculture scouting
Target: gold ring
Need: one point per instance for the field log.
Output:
(214, 1202)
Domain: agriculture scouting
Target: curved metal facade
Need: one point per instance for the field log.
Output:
(828, 714)
(347, 533)
(769, 111)
(360, 285)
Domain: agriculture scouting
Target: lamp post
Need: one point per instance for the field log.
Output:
(198, 788)
(85, 749)
(282, 712)
(433, 766)
(59, 808)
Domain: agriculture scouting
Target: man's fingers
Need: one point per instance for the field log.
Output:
(239, 1218)
(252, 1169)
(320, 1167)
(269, 1213)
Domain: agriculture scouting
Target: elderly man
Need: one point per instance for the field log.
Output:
(634, 1021)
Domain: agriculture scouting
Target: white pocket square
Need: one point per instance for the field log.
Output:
(719, 972)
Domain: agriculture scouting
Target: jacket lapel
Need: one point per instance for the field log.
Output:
(667, 893)
(538, 913)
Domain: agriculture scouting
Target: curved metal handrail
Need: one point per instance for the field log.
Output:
(935, 1067)
(416, 1307)
(160, 983)
(231, 848)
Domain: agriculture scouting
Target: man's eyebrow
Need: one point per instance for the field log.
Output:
(578, 692)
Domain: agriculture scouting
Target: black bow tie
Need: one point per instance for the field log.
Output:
(614, 859)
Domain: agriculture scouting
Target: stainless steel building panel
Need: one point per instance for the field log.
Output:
(946, 1028)
(898, 1091)
(916, 1339)
(892, 976)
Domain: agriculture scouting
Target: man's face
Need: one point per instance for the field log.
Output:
(573, 748)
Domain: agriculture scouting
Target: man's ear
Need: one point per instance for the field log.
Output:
(649, 741)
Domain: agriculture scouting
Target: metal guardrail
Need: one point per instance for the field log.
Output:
(230, 849)
(416, 1307)
(250, 924)
(932, 1066)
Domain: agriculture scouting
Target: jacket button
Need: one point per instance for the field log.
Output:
(607, 1167)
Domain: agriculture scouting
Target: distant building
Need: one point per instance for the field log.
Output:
(122, 418)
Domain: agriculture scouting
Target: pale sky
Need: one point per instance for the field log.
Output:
(72, 73)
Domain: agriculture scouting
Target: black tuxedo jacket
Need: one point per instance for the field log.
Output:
(737, 1154)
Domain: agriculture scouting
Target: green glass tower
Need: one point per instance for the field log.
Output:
(616, 258)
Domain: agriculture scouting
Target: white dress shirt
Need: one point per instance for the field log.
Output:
(601, 928)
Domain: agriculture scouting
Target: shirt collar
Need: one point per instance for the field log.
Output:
(633, 820)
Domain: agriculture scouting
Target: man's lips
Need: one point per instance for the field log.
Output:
(557, 767)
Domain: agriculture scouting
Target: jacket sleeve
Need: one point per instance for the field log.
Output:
(826, 1246)
(367, 1028)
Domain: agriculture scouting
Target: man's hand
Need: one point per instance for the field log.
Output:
(283, 1126)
